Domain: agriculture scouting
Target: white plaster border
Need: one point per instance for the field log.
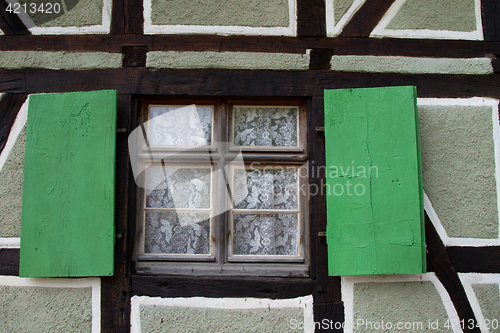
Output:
(305, 302)
(381, 29)
(475, 101)
(22, 116)
(94, 283)
(333, 29)
(347, 291)
(103, 28)
(468, 279)
(152, 29)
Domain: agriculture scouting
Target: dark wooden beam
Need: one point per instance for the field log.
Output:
(446, 273)
(115, 290)
(10, 23)
(9, 107)
(134, 56)
(271, 44)
(127, 17)
(311, 18)
(366, 18)
(490, 11)
(320, 59)
(329, 317)
(475, 259)
(9, 262)
(183, 286)
(213, 82)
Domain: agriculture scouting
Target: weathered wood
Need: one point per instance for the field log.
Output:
(475, 259)
(134, 56)
(320, 59)
(9, 107)
(182, 286)
(10, 23)
(490, 12)
(447, 274)
(311, 18)
(328, 317)
(366, 18)
(68, 188)
(9, 262)
(272, 44)
(213, 82)
(116, 290)
(125, 18)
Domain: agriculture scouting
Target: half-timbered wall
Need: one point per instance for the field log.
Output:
(252, 49)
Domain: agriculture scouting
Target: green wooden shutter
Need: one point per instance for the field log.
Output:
(374, 182)
(69, 182)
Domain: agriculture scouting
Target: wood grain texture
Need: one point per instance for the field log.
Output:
(271, 44)
(447, 274)
(366, 18)
(116, 290)
(68, 189)
(213, 82)
(10, 23)
(311, 18)
(374, 182)
(320, 59)
(125, 18)
(475, 259)
(329, 316)
(9, 107)
(9, 262)
(183, 286)
(134, 56)
(490, 12)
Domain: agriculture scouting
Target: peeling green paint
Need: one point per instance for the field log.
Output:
(183, 319)
(457, 15)
(252, 13)
(11, 189)
(59, 60)
(458, 168)
(405, 302)
(413, 65)
(229, 60)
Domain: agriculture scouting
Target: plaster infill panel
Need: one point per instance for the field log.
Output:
(458, 167)
(59, 60)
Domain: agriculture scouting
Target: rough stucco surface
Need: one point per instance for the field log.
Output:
(411, 65)
(398, 302)
(78, 13)
(229, 60)
(252, 13)
(340, 7)
(173, 319)
(34, 309)
(59, 60)
(488, 297)
(11, 189)
(457, 15)
(458, 168)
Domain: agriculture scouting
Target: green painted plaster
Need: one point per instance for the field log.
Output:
(173, 319)
(458, 168)
(489, 300)
(456, 15)
(252, 13)
(59, 60)
(11, 189)
(411, 65)
(229, 60)
(77, 13)
(405, 302)
(36, 309)
(340, 7)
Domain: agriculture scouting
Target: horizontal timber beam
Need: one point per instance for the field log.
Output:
(271, 44)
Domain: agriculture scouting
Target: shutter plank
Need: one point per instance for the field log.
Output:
(374, 182)
(68, 190)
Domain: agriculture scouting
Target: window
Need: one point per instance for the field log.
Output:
(222, 188)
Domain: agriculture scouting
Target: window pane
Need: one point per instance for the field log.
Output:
(177, 233)
(188, 127)
(266, 188)
(178, 187)
(265, 126)
(265, 234)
